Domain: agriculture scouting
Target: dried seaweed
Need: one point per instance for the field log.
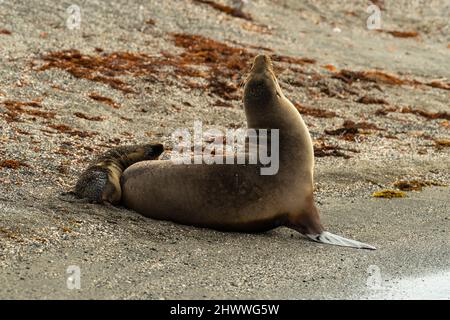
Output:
(253, 27)
(422, 113)
(12, 164)
(225, 63)
(62, 128)
(402, 34)
(314, 112)
(104, 100)
(350, 129)
(445, 124)
(415, 185)
(371, 100)
(86, 117)
(19, 104)
(439, 85)
(220, 103)
(11, 235)
(103, 69)
(442, 143)
(293, 60)
(16, 108)
(251, 46)
(379, 4)
(389, 194)
(385, 111)
(126, 119)
(377, 76)
(20, 131)
(321, 149)
(330, 67)
(226, 9)
(425, 114)
(221, 65)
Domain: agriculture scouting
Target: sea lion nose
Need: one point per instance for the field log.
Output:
(261, 63)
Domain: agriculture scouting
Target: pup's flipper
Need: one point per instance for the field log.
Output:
(330, 238)
(71, 197)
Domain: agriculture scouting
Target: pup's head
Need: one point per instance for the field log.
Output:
(142, 152)
(152, 151)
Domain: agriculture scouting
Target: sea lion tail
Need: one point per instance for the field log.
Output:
(333, 239)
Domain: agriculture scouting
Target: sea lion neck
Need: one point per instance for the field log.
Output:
(261, 88)
(262, 96)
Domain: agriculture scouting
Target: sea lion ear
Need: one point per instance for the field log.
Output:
(334, 239)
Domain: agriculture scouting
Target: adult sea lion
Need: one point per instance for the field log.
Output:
(238, 197)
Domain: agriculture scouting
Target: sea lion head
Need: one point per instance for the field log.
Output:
(152, 151)
(133, 154)
(261, 86)
(100, 182)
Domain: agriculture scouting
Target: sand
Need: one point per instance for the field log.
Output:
(51, 127)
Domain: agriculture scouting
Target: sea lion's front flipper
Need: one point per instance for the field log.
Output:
(71, 197)
(330, 238)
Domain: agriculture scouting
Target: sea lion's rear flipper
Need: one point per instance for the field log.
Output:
(330, 238)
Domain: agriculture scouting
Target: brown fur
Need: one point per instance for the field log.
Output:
(236, 197)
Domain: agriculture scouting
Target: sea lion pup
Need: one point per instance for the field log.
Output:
(234, 197)
(100, 182)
